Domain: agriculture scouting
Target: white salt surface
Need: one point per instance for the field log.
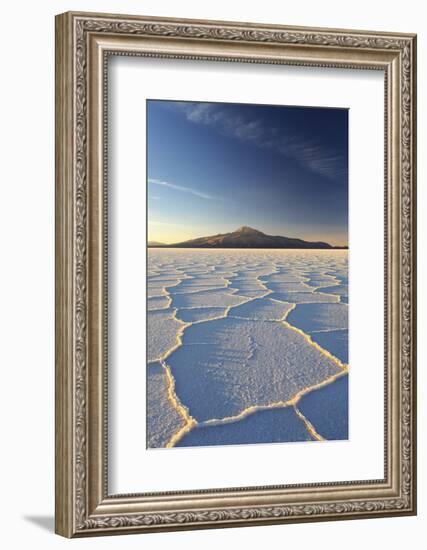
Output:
(304, 297)
(158, 302)
(199, 283)
(206, 298)
(316, 317)
(283, 277)
(285, 286)
(163, 420)
(262, 309)
(162, 331)
(197, 314)
(228, 365)
(322, 281)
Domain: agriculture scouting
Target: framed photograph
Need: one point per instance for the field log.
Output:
(235, 274)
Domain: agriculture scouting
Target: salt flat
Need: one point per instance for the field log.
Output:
(246, 336)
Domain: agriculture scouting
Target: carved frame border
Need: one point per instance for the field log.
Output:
(83, 43)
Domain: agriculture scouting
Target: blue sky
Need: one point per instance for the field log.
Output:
(213, 167)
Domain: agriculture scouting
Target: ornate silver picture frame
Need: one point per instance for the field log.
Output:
(84, 43)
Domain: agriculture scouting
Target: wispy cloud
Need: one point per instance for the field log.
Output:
(161, 224)
(180, 188)
(306, 152)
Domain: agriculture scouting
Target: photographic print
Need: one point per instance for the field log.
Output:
(247, 274)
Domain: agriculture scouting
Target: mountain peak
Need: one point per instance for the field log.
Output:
(247, 237)
(246, 229)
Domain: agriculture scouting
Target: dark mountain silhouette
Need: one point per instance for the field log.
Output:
(247, 237)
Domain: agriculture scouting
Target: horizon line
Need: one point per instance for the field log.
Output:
(241, 229)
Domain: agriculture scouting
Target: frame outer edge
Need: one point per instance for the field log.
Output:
(152, 19)
(64, 237)
(73, 517)
(408, 276)
(414, 270)
(415, 265)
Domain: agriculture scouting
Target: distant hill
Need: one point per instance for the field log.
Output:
(155, 243)
(247, 237)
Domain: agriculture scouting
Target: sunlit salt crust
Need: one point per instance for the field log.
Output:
(285, 286)
(322, 281)
(245, 337)
(228, 365)
(265, 426)
(199, 283)
(327, 409)
(163, 419)
(262, 309)
(339, 289)
(335, 341)
(158, 302)
(304, 297)
(163, 330)
(207, 298)
(197, 314)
